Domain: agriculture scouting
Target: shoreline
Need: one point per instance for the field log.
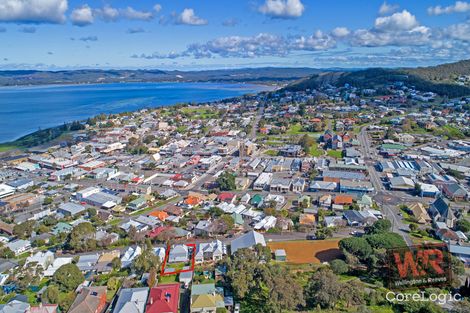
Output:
(65, 84)
(14, 143)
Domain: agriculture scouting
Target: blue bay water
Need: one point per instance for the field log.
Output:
(26, 109)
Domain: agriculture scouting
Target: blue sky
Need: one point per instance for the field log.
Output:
(200, 34)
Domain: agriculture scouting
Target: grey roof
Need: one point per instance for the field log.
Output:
(247, 240)
(131, 300)
(72, 208)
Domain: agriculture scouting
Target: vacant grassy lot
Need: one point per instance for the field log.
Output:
(337, 154)
(308, 251)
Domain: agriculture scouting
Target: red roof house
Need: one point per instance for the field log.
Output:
(163, 299)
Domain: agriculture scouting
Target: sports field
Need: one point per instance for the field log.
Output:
(308, 251)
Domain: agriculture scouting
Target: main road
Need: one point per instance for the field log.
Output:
(388, 200)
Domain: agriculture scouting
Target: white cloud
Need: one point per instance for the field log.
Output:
(387, 8)
(132, 14)
(457, 7)
(82, 16)
(340, 32)
(317, 41)
(283, 8)
(398, 29)
(398, 21)
(33, 11)
(188, 17)
(157, 7)
(85, 15)
(108, 13)
(459, 31)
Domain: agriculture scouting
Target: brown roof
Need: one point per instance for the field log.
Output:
(89, 299)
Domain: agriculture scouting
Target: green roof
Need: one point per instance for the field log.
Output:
(61, 227)
(256, 199)
(392, 146)
(237, 218)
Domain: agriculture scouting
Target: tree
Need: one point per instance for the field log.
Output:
(82, 237)
(51, 294)
(358, 247)
(323, 289)
(68, 277)
(324, 232)
(413, 227)
(113, 284)
(463, 225)
(226, 181)
(152, 279)
(306, 142)
(339, 267)
(352, 293)
(116, 264)
(418, 189)
(381, 226)
(24, 230)
(144, 262)
(256, 282)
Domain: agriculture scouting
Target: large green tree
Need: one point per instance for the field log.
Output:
(226, 181)
(68, 277)
(82, 237)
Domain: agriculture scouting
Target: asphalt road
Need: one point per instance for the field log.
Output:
(387, 200)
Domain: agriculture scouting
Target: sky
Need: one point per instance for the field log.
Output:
(211, 34)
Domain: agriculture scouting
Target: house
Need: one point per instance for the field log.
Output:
(131, 300)
(419, 212)
(455, 192)
(402, 183)
(298, 184)
(205, 299)
(19, 246)
(70, 209)
(44, 308)
(178, 253)
(104, 264)
(15, 306)
(334, 221)
(87, 262)
(257, 200)
(42, 259)
(440, 211)
(62, 227)
(365, 202)
(325, 201)
(279, 184)
(248, 240)
(185, 277)
(447, 235)
(461, 252)
(56, 264)
(129, 255)
(318, 185)
(163, 299)
(203, 228)
(359, 218)
(210, 251)
(89, 300)
(226, 197)
(343, 200)
(307, 219)
(137, 204)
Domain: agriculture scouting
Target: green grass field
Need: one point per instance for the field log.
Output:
(337, 154)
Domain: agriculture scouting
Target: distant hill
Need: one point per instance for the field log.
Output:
(438, 79)
(253, 75)
(444, 72)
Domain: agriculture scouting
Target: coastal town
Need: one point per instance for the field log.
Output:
(156, 210)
